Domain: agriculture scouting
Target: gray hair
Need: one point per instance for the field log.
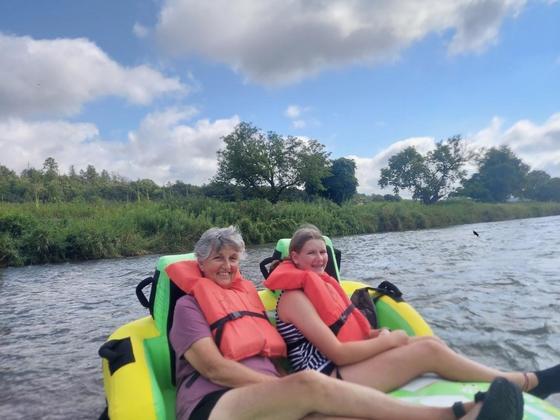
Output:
(214, 239)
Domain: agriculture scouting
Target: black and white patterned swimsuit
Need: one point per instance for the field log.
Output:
(301, 353)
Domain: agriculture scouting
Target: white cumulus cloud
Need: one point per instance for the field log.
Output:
(164, 148)
(538, 145)
(56, 77)
(279, 41)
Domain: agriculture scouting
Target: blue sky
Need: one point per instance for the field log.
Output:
(146, 89)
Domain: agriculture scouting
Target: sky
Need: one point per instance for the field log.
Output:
(149, 88)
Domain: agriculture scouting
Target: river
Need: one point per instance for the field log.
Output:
(494, 297)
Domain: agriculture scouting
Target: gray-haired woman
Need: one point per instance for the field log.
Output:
(219, 379)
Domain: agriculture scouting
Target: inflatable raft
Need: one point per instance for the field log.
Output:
(138, 361)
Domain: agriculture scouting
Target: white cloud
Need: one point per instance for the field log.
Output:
(140, 30)
(293, 111)
(299, 124)
(278, 41)
(163, 148)
(56, 77)
(537, 145)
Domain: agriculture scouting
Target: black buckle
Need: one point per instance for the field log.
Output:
(235, 315)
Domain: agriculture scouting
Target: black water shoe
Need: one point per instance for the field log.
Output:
(502, 401)
(549, 382)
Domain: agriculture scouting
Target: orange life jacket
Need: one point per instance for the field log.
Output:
(328, 298)
(236, 314)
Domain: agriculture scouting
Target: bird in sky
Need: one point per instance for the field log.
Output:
(475, 233)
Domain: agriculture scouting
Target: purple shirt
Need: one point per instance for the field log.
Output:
(189, 326)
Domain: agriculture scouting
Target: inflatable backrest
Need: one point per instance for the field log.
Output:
(163, 297)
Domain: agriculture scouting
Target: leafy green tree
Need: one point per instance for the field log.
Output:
(265, 165)
(501, 175)
(52, 186)
(534, 184)
(342, 184)
(430, 178)
(8, 182)
(551, 190)
(33, 185)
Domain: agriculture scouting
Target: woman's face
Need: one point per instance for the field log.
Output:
(221, 266)
(313, 256)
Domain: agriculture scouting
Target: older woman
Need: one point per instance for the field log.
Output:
(312, 300)
(226, 349)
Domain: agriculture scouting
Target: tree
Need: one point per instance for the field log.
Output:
(501, 175)
(8, 181)
(33, 184)
(341, 185)
(430, 178)
(534, 184)
(267, 164)
(551, 190)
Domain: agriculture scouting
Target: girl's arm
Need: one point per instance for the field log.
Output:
(295, 308)
(205, 357)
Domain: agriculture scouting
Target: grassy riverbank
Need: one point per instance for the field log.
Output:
(78, 231)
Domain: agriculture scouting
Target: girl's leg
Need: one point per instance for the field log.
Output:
(395, 367)
(318, 396)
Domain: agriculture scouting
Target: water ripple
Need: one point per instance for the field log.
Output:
(494, 298)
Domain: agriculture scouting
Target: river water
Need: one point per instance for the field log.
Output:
(495, 298)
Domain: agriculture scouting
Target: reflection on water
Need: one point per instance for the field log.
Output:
(495, 298)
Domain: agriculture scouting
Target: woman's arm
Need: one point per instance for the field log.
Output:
(205, 357)
(295, 308)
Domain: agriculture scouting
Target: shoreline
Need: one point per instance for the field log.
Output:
(72, 232)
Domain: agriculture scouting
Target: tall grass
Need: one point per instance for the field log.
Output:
(79, 231)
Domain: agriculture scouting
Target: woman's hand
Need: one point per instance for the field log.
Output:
(205, 357)
(398, 338)
(377, 333)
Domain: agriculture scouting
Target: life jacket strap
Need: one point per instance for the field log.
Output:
(220, 323)
(339, 323)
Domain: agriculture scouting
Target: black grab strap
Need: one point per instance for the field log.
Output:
(220, 323)
(276, 256)
(337, 325)
(140, 294)
(387, 288)
(118, 353)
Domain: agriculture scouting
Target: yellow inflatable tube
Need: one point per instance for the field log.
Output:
(391, 313)
(131, 389)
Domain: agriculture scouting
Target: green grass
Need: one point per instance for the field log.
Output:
(79, 231)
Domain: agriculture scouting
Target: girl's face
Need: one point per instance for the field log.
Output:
(221, 266)
(313, 256)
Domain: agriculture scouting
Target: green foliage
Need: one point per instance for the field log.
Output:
(540, 186)
(59, 232)
(341, 185)
(430, 178)
(501, 175)
(265, 165)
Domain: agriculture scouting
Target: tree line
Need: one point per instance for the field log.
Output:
(254, 164)
(441, 173)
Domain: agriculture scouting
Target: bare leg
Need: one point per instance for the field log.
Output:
(395, 367)
(318, 396)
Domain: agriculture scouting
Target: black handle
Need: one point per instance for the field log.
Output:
(140, 294)
(118, 353)
(264, 263)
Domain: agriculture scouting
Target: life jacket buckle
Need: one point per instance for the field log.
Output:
(236, 315)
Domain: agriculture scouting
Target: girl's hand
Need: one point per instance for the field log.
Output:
(398, 338)
(378, 333)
